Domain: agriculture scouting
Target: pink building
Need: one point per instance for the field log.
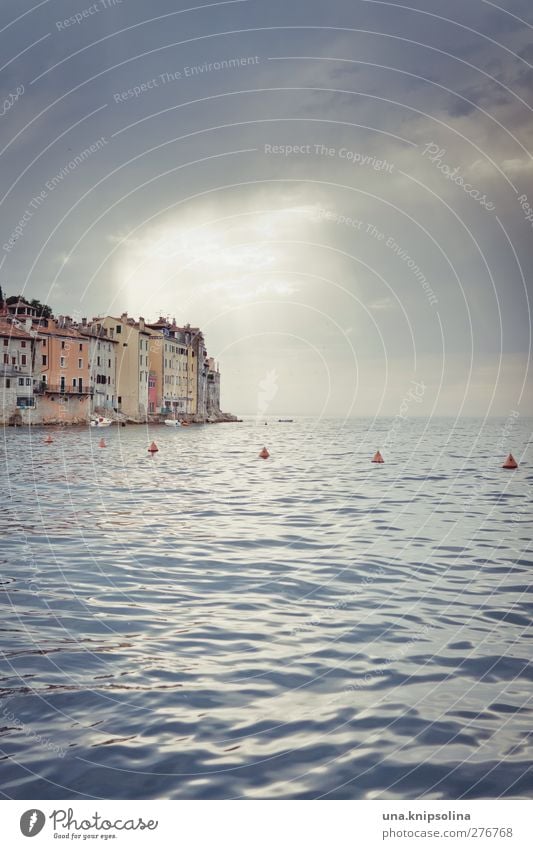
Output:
(152, 393)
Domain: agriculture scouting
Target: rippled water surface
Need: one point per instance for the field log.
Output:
(205, 624)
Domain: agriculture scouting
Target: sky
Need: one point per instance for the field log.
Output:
(339, 194)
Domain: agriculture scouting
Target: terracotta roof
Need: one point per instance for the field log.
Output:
(94, 334)
(128, 322)
(52, 330)
(19, 303)
(7, 329)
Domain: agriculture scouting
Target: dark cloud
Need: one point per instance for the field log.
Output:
(171, 165)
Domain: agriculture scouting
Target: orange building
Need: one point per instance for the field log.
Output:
(62, 372)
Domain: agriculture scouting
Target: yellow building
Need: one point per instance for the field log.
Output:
(132, 363)
(172, 356)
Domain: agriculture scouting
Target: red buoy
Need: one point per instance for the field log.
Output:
(153, 448)
(48, 440)
(264, 454)
(102, 443)
(510, 463)
(377, 458)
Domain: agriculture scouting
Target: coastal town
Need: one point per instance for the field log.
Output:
(57, 370)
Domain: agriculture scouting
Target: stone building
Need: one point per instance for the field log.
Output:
(213, 411)
(17, 352)
(62, 372)
(102, 366)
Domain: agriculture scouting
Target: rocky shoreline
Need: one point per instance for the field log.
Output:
(121, 421)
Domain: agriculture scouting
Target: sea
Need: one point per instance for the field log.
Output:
(203, 624)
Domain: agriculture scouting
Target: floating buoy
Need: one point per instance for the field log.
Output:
(264, 454)
(377, 458)
(102, 444)
(510, 463)
(153, 448)
(48, 440)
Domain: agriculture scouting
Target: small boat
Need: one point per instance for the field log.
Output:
(285, 420)
(175, 423)
(100, 421)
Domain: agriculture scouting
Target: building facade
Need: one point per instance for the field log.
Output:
(155, 375)
(132, 363)
(102, 367)
(213, 390)
(171, 355)
(17, 351)
(59, 371)
(62, 372)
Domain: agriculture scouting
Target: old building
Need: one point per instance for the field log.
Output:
(132, 368)
(17, 346)
(155, 374)
(171, 356)
(102, 366)
(62, 372)
(213, 410)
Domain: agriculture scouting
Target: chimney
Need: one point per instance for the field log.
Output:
(124, 316)
(141, 323)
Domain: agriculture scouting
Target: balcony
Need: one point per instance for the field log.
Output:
(61, 389)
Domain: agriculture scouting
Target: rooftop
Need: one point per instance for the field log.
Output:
(11, 330)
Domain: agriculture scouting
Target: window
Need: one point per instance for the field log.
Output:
(81, 346)
(6, 359)
(28, 381)
(62, 345)
(23, 343)
(21, 381)
(118, 328)
(25, 402)
(62, 362)
(108, 380)
(109, 363)
(74, 382)
(44, 359)
(80, 363)
(97, 361)
(8, 383)
(6, 342)
(23, 359)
